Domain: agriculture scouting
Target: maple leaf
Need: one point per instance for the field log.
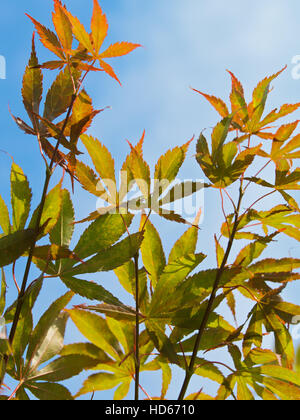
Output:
(93, 41)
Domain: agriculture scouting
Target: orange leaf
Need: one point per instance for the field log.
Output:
(99, 27)
(80, 33)
(217, 103)
(109, 70)
(119, 49)
(236, 84)
(62, 25)
(48, 38)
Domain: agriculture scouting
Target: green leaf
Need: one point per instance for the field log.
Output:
(32, 88)
(174, 274)
(89, 180)
(254, 333)
(219, 136)
(96, 330)
(103, 162)
(4, 217)
(14, 246)
(169, 165)
(86, 349)
(286, 392)
(90, 290)
(59, 96)
(25, 324)
(280, 373)
(259, 356)
(152, 251)
(98, 382)
(51, 212)
(20, 197)
(253, 251)
(243, 392)
(283, 340)
(47, 391)
(141, 172)
(62, 232)
(220, 253)
(186, 244)
(112, 257)
(102, 233)
(260, 95)
(208, 370)
(179, 192)
(122, 390)
(161, 341)
(62, 369)
(47, 338)
(116, 312)
(166, 378)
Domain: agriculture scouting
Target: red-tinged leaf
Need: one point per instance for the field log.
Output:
(48, 38)
(80, 33)
(32, 88)
(236, 84)
(274, 116)
(260, 95)
(52, 65)
(62, 25)
(109, 70)
(263, 88)
(217, 103)
(119, 49)
(85, 66)
(239, 108)
(55, 132)
(285, 131)
(231, 302)
(59, 158)
(22, 125)
(99, 27)
(82, 115)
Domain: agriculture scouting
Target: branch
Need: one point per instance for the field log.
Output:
(190, 371)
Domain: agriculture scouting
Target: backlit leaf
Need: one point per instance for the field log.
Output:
(152, 251)
(20, 197)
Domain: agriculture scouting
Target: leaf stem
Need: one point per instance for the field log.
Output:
(190, 370)
(137, 328)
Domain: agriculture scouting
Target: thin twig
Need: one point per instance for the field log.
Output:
(190, 371)
(137, 328)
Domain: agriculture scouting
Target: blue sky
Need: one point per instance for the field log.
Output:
(185, 43)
